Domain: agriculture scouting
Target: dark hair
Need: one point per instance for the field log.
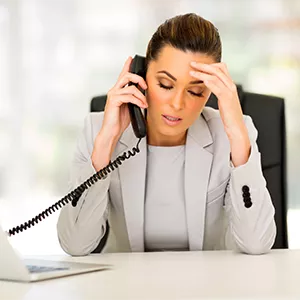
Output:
(188, 32)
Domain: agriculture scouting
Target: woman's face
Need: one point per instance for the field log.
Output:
(175, 98)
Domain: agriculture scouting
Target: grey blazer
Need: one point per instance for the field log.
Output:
(217, 217)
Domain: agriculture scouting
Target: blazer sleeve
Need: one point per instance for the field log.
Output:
(81, 228)
(248, 205)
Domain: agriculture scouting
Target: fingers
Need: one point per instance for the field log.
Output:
(132, 90)
(130, 77)
(125, 76)
(213, 86)
(212, 82)
(223, 68)
(126, 67)
(219, 70)
(124, 93)
(127, 98)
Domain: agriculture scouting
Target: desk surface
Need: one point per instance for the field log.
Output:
(172, 275)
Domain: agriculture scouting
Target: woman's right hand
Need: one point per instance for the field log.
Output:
(116, 114)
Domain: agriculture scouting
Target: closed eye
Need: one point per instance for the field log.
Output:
(170, 87)
(196, 94)
(164, 86)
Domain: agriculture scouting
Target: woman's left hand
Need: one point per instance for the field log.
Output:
(217, 79)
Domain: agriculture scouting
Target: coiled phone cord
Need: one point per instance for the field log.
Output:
(74, 195)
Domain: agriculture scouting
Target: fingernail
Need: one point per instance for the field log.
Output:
(193, 73)
(193, 63)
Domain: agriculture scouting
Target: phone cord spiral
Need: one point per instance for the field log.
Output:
(75, 195)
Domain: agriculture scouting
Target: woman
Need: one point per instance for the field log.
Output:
(197, 182)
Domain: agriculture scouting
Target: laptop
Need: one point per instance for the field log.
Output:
(13, 268)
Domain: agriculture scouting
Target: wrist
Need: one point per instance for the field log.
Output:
(103, 148)
(240, 145)
(240, 152)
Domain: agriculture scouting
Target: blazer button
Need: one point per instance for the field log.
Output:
(245, 189)
(247, 199)
(246, 194)
(248, 204)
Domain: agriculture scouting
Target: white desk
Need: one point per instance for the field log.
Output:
(173, 275)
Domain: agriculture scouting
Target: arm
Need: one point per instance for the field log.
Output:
(251, 228)
(81, 228)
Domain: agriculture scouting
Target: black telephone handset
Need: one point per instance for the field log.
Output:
(138, 66)
(139, 127)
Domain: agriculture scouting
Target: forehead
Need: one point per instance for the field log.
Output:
(171, 58)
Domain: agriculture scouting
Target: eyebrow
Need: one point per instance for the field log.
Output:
(175, 79)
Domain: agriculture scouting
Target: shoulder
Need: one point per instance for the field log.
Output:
(93, 123)
(95, 118)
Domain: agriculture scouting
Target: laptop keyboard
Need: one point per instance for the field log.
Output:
(42, 269)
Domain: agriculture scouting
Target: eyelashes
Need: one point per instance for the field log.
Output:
(164, 86)
(170, 87)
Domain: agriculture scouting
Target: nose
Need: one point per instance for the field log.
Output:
(177, 102)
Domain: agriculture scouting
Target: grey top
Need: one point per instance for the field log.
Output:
(165, 214)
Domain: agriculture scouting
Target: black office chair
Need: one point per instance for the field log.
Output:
(268, 115)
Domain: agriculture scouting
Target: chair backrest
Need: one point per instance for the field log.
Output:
(98, 103)
(268, 115)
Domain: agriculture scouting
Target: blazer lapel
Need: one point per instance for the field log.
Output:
(197, 170)
(133, 175)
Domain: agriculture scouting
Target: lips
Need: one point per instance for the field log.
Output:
(172, 118)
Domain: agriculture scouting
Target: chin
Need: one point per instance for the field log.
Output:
(171, 131)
